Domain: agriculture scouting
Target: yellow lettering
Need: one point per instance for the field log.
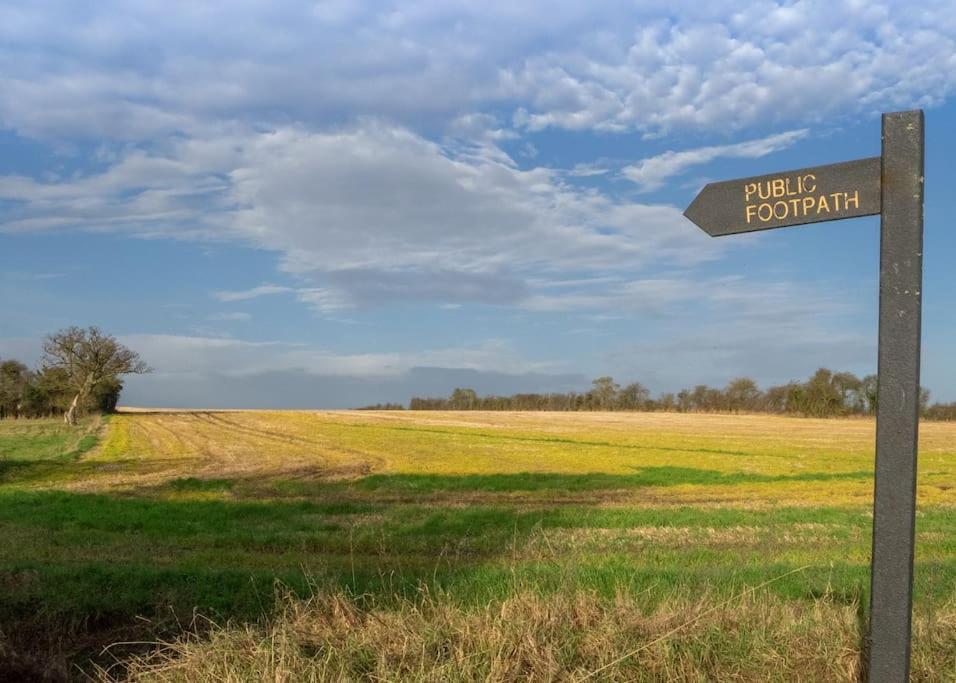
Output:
(751, 210)
(796, 197)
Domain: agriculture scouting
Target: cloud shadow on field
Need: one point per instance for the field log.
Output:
(540, 481)
(93, 564)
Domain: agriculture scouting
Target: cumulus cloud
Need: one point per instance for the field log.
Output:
(652, 173)
(368, 213)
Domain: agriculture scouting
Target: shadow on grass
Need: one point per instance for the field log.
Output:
(47, 456)
(538, 481)
(83, 562)
(84, 558)
(69, 467)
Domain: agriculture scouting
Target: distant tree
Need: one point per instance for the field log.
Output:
(684, 401)
(463, 399)
(700, 397)
(775, 399)
(633, 397)
(823, 396)
(741, 394)
(89, 358)
(941, 411)
(715, 399)
(105, 396)
(49, 393)
(14, 379)
(667, 402)
(797, 398)
(384, 406)
(849, 387)
(603, 393)
(868, 390)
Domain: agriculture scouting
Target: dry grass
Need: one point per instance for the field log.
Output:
(565, 637)
(775, 460)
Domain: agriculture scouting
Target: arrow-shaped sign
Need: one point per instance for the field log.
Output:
(807, 195)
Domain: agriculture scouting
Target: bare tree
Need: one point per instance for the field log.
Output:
(89, 358)
(463, 399)
(604, 392)
(741, 394)
(633, 397)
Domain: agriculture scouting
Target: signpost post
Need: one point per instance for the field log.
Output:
(890, 185)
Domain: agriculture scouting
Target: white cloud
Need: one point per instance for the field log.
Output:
(634, 295)
(367, 214)
(324, 300)
(254, 293)
(782, 305)
(652, 173)
(380, 212)
(124, 71)
(719, 65)
(237, 317)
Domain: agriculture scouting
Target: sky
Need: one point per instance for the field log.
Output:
(331, 204)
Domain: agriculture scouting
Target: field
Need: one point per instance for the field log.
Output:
(456, 546)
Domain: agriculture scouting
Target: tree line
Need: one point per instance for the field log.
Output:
(825, 394)
(79, 372)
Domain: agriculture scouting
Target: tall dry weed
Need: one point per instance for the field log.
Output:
(530, 637)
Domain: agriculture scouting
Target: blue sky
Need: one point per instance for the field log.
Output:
(332, 203)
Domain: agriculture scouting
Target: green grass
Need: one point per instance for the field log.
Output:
(542, 481)
(29, 446)
(466, 551)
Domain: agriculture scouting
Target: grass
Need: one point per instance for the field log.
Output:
(573, 636)
(442, 523)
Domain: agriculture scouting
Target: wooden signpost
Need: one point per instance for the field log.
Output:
(890, 185)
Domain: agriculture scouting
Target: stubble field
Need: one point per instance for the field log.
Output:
(457, 546)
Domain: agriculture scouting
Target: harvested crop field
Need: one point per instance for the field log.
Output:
(429, 546)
